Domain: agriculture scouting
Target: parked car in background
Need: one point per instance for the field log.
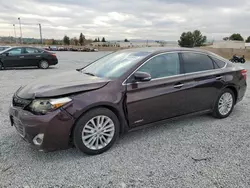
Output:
(53, 48)
(2, 48)
(62, 48)
(27, 56)
(122, 91)
(46, 48)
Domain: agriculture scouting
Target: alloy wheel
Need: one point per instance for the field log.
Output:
(44, 64)
(98, 132)
(225, 103)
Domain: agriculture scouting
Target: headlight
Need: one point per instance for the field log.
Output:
(42, 106)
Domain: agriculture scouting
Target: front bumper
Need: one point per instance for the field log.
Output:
(56, 127)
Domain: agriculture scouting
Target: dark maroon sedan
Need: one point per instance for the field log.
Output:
(122, 91)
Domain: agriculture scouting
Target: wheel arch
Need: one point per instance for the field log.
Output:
(111, 107)
(233, 88)
(43, 59)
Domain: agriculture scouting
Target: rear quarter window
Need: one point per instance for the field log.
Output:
(218, 63)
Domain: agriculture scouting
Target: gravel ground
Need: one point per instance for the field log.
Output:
(193, 152)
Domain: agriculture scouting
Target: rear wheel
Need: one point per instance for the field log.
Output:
(44, 64)
(96, 131)
(224, 104)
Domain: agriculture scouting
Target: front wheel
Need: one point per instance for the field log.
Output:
(243, 60)
(224, 104)
(44, 64)
(96, 131)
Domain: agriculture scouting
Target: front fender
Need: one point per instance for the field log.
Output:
(86, 101)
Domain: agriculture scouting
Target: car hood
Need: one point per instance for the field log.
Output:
(61, 84)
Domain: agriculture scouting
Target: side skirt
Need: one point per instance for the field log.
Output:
(170, 119)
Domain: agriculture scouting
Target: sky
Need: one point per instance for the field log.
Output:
(120, 19)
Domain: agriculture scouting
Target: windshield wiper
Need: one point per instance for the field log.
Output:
(79, 70)
(89, 73)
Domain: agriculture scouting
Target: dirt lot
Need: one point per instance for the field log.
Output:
(229, 52)
(193, 152)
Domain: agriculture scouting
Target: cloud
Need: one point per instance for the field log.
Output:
(117, 19)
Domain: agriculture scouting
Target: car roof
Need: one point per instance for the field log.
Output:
(164, 49)
(11, 47)
(23, 47)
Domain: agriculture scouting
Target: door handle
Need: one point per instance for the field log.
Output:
(21, 56)
(38, 56)
(178, 86)
(218, 77)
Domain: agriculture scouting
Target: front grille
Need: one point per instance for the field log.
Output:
(20, 102)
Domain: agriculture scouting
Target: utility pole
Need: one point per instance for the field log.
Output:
(9, 38)
(15, 32)
(21, 35)
(40, 29)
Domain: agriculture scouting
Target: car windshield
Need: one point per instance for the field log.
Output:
(115, 65)
(2, 48)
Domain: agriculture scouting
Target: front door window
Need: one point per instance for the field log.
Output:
(15, 51)
(164, 65)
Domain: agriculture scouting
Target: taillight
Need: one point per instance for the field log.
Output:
(53, 55)
(244, 73)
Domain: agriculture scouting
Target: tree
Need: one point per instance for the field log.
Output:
(81, 39)
(76, 41)
(236, 36)
(103, 39)
(199, 40)
(50, 42)
(226, 38)
(248, 39)
(95, 40)
(66, 40)
(192, 39)
(53, 42)
(126, 40)
(98, 40)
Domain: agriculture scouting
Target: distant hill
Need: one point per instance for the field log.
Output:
(25, 40)
(144, 41)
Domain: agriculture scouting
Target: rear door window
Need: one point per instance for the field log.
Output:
(31, 51)
(195, 62)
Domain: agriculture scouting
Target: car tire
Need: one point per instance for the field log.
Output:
(224, 104)
(91, 139)
(43, 64)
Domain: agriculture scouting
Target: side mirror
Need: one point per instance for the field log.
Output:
(142, 76)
